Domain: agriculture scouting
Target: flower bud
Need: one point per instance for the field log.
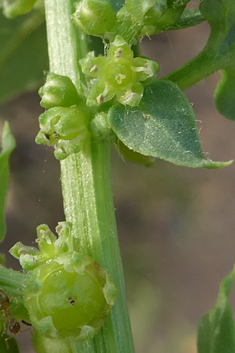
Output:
(94, 17)
(69, 296)
(58, 91)
(64, 128)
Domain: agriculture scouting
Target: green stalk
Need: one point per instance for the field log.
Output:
(193, 71)
(86, 188)
(13, 282)
(207, 62)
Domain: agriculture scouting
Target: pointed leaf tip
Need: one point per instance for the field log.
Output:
(162, 126)
(217, 165)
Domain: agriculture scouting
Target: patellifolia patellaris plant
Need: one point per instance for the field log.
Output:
(99, 91)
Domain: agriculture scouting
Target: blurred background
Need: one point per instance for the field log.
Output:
(176, 225)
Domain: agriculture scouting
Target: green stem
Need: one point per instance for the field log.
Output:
(203, 65)
(193, 71)
(13, 282)
(86, 188)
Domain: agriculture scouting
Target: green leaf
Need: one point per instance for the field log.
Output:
(221, 47)
(23, 53)
(219, 13)
(8, 145)
(219, 52)
(221, 16)
(8, 344)
(138, 8)
(189, 18)
(224, 96)
(132, 156)
(116, 4)
(216, 328)
(163, 126)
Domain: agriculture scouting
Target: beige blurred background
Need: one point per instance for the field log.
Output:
(176, 225)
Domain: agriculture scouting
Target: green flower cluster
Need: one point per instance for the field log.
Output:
(117, 74)
(69, 120)
(68, 294)
(65, 124)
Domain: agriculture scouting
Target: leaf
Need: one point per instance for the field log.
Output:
(216, 329)
(138, 8)
(221, 46)
(224, 96)
(116, 4)
(23, 53)
(221, 16)
(163, 126)
(8, 344)
(132, 156)
(8, 145)
(189, 18)
(219, 13)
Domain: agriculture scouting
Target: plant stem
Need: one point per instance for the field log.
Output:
(207, 62)
(193, 71)
(86, 188)
(13, 282)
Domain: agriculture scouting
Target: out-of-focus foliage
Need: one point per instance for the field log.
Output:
(8, 145)
(23, 53)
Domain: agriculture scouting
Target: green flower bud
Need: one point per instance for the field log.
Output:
(49, 246)
(28, 255)
(58, 91)
(64, 128)
(69, 296)
(117, 74)
(13, 8)
(94, 17)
